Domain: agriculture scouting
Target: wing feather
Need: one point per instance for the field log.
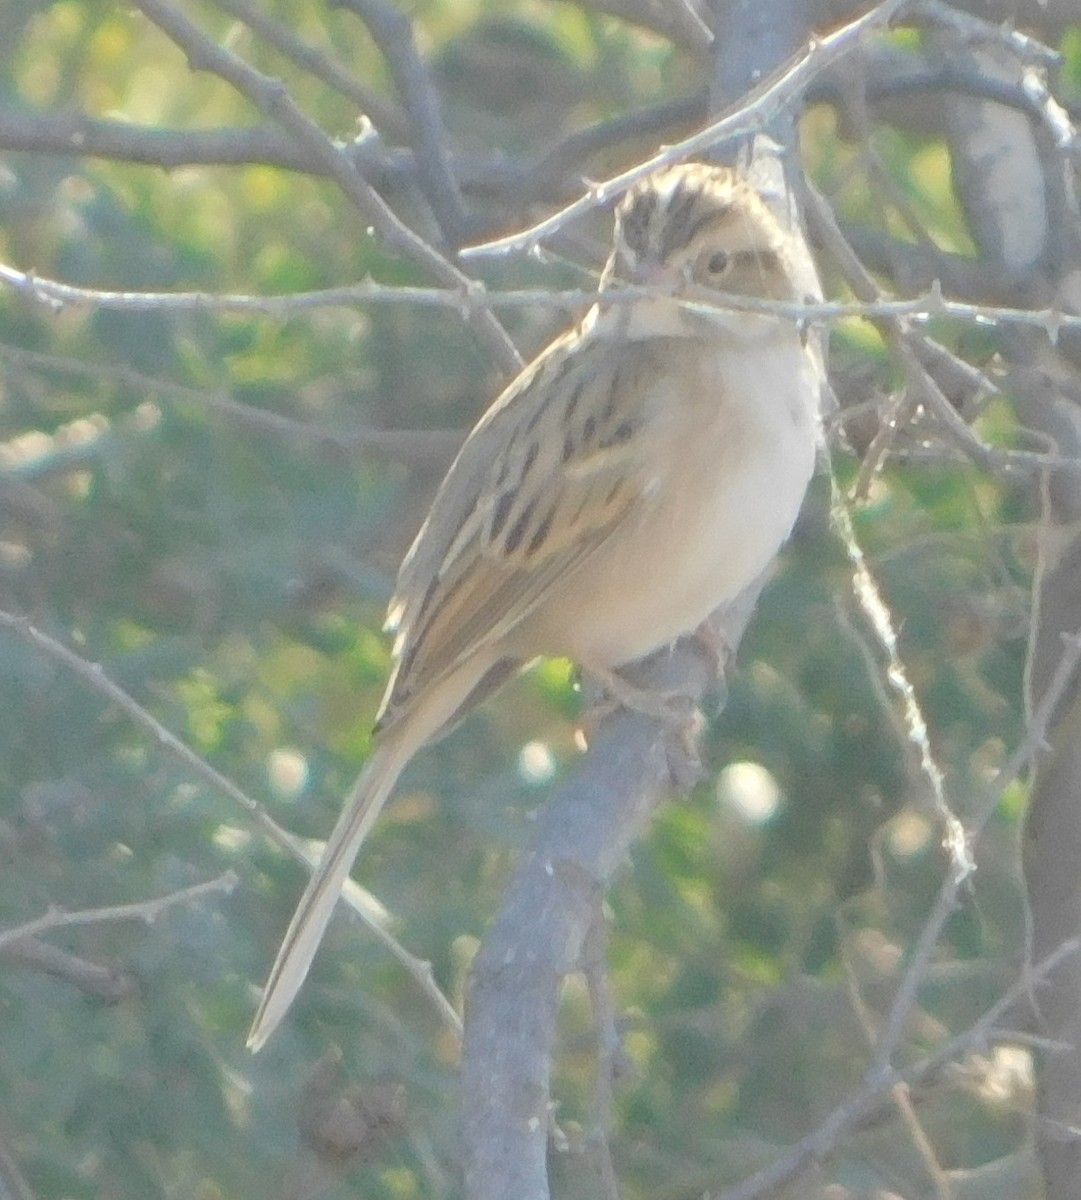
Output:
(551, 470)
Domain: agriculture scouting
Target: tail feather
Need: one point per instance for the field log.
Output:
(316, 906)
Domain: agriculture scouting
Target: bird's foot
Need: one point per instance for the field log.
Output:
(712, 643)
(674, 709)
(670, 707)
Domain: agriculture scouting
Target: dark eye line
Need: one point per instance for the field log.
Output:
(767, 258)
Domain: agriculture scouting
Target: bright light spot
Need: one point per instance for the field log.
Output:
(357, 896)
(14, 554)
(228, 837)
(147, 416)
(1008, 1074)
(536, 763)
(34, 444)
(749, 789)
(82, 431)
(908, 834)
(287, 770)
(25, 448)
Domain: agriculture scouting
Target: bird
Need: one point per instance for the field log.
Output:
(641, 471)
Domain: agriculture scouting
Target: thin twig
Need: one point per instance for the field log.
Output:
(410, 445)
(900, 1093)
(74, 134)
(902, 341)
(1035, 731)
(272, 99)
(510, 179)
(383, 113)
(959, 840)
(877, 1084)
(752, 114)
(143, 910)
(56, 295)
(576, 147)
(678, 21)
(878, 614)
(93, 675)
(393, 34)
(976, 29)
(91, 978)
(946, 901)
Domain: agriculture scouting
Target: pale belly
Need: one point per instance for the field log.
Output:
(713, 524)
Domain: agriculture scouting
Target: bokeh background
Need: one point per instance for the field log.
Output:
(211, 505)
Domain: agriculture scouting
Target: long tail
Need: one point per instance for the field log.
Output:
(305, 932)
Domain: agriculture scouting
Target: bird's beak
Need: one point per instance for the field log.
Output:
(662, 276)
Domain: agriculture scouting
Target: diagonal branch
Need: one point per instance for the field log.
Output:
(393, 33)
(878, 1085)
(143, 910)
(541, 934)
(385, 115)
(408, 445)
(91, 978)
(753, 113)
(272, 99)
(94, 676)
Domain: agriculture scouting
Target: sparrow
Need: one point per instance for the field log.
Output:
(642, 471)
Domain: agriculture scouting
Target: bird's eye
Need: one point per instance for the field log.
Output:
(717, 262)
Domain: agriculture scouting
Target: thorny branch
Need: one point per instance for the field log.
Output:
(748, 117)
(144, 910)
(432, 164)
(409, 445)
(878, 1084)
(56, 295)
(273, 100)
(385, 115)
(95, 677)
(393, 33)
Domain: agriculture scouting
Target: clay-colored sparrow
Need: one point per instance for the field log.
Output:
(641, 471)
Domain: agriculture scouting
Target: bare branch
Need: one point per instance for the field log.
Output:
(55, 294)
(891, 76)
(409, 445)
(393, 33)
(567, 157)
(609, 1054)
(752, 114)
(93, 675)
(960, 840)
(581, 839)
(980, 31)
(582, 835)
(272, 99)
(75, 134)
(675, 19)
(103, 983)
(877, 1085)
(144, 910)
(383, 113)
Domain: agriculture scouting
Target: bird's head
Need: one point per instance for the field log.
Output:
(701, 225)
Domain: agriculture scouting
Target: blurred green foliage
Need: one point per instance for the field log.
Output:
(231, 577)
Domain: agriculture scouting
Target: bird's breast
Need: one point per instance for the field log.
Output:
(734, 435)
